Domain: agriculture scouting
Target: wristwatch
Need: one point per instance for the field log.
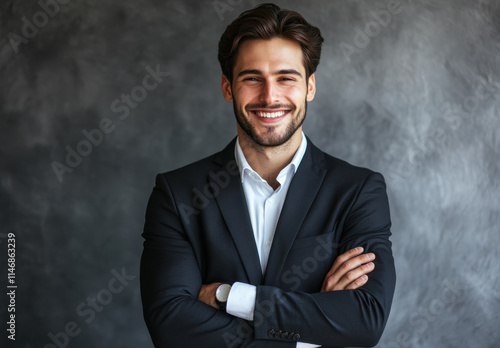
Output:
(221, 295)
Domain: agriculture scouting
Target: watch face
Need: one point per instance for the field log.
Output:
(222, 292)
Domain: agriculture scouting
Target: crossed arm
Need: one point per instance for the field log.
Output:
(348, 272)
(177, 313)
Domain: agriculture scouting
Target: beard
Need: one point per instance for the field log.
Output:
(270, 138)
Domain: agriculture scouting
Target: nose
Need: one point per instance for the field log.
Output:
(269, 93)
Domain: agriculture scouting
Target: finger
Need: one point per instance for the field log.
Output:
(330, 282)
(358, 283)
(343, 258)
(341, 280)
(351, 280)
(348, 266)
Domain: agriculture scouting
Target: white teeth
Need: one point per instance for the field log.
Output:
(270, 114)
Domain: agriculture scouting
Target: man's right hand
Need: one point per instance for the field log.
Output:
(349, 271)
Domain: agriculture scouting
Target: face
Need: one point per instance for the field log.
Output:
(269, 90)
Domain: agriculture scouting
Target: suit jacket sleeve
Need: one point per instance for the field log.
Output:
(341, 318)
(170, 283)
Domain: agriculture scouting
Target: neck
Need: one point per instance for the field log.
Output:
(268, 161)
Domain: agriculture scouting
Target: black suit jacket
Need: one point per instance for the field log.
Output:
(198, 231)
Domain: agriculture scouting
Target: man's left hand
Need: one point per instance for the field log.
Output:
(207, 294)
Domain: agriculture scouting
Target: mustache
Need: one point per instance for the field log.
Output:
(266, 106)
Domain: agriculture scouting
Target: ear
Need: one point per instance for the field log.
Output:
(226, 88)
(311, 88)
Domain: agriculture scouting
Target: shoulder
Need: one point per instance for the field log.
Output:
(341, 171)
(198, 172)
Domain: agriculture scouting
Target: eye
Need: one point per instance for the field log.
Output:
(251, 79)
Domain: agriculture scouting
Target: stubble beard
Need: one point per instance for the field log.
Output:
(270, 139)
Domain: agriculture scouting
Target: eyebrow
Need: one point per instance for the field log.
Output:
(279, 72)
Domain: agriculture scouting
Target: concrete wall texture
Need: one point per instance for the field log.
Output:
(99, 96)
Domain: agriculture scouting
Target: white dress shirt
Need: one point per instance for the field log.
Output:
(264, 207)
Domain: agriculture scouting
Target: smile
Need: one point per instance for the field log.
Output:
(271, 114)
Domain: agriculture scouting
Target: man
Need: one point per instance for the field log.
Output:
(269, 242)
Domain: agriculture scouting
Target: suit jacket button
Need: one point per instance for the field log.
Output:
(271, 332)
(296, 337)
(284, 335)
(278, 334)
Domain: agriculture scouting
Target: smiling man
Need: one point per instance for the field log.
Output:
(272, 89)
(269, 242)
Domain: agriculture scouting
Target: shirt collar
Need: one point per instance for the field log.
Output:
(245, 168)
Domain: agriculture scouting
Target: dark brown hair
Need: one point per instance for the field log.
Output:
(267, 21)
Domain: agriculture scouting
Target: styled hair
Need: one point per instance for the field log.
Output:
(268, 21)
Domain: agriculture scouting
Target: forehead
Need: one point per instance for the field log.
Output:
(269, 55)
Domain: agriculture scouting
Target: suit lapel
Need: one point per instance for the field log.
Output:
(232, 204)
(301, 193)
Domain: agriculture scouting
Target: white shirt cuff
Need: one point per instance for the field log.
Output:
(241, 300)
(306, 345)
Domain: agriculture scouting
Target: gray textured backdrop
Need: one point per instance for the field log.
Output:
(414, 94)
